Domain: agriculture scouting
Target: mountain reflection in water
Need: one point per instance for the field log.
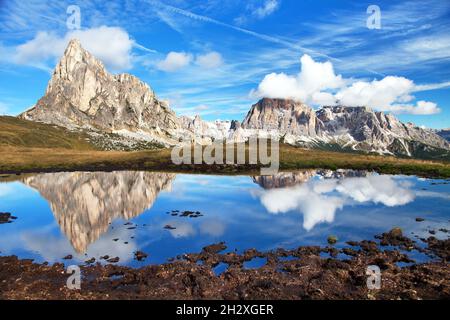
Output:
(285, 210)
(85, 203)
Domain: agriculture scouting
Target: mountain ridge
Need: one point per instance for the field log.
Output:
(121, 109)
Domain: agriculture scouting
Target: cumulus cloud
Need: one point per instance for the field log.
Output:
(318, 84)
(319, 200)
(209, 60)
(376, 189)
(312, 79)
(315, 207)
(174, 61)
(421, 108)
(112, 45)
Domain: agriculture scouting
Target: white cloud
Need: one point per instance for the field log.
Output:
(378, 93)
(269, 7)
(210, 60)
(315, 206)
(174, 61)
(421, 108)
(182, 229)
(213, 228)
(313, 77)
(112, 45)
(377, 189)
(318, 84)
(319, 200)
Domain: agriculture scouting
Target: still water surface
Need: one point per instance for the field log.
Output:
(92, 214)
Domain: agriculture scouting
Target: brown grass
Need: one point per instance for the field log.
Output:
(21, 159)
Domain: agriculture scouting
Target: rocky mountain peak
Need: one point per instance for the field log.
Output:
(82, 94)
(286, 116)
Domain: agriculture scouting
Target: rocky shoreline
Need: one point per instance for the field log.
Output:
(307, 272)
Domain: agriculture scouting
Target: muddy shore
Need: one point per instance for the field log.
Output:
(303, 273)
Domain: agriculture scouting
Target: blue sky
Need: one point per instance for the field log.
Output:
(218, 57)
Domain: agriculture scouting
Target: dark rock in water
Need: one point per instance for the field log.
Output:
(169, 227)
(305, 274)
(68, 257)
(440, 248)
(396, 233)
(215, 248)
(6, 217)
(432, 232)
(113, 260)
(420, 219)
(116, 239)
(127, 224)
(395, 237)
(332, 239)
(105, 257)
(443, 230)
(139, 255)
(90, 261)
(131, 228)
(350, 252)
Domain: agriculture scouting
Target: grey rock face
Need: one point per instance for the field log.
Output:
(359, 128)
(82, 94)
(205, 132)
(286, 116)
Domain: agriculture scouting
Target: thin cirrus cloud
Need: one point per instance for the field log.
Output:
(268, 7)
(259, 11)
(318, 84)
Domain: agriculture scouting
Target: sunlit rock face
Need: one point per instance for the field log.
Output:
(349, 128)
(205, 132)
(85, 203)
(82, 94)
(285, 116)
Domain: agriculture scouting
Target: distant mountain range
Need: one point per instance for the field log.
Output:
(122, 110)
(444, 133)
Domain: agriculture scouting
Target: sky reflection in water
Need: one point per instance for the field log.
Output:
(86, 214)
